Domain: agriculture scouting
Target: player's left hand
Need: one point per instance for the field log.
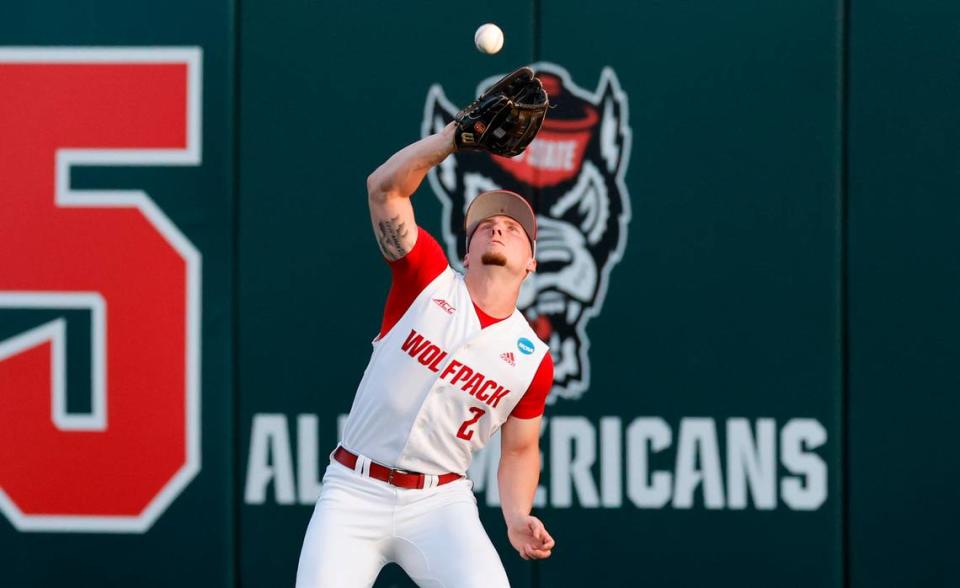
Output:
(530, 538)
(506, 117)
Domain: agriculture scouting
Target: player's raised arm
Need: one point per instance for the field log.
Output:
(390, 186)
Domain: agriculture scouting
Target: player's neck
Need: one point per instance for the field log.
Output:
(493, 290)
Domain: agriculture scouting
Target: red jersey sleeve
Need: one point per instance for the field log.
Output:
(411, 274)
(532, 403)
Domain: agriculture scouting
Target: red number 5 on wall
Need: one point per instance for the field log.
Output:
(118, 466)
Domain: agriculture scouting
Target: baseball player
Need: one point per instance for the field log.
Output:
(453, 363)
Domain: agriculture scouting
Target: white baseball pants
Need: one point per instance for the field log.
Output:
(361, 524)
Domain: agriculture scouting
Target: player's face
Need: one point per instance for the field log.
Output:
(500, 241)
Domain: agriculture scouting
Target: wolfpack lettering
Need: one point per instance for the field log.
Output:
(475, 383)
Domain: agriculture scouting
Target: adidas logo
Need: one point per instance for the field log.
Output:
(508, 357)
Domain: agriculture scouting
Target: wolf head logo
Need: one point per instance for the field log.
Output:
(573, 176)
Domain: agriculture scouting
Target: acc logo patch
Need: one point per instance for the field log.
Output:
(573, 176)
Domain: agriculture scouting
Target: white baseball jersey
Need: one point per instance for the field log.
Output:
(438, 386)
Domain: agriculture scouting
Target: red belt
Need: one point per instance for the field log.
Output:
(400, 478)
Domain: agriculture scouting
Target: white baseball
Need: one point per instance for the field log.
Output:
(488, 38)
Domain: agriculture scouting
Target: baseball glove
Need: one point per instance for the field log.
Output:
(506, 117)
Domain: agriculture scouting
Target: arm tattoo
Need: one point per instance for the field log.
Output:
(391, 237)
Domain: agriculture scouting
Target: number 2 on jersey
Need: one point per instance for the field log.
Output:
(463, 433)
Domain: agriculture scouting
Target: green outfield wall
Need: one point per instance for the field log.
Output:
(748, 280)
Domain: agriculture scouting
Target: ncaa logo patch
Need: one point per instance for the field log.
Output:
(573, 176)
(525, 345)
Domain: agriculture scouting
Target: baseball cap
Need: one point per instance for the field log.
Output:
(502, 202)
